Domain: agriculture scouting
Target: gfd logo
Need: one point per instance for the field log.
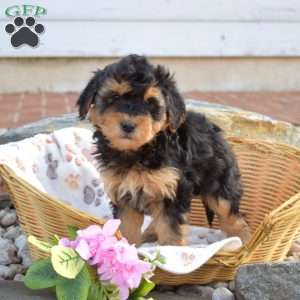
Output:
(24, 29)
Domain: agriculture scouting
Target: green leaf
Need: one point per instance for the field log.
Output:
(111, 291)
(54, 240)
(66, 261)
(158, 259)
(43, 246)
(74, 289)
(96, 291)
(41, 275)
(145, 287)
(72, 232)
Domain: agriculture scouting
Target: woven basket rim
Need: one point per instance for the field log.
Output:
(54, 200)
(234, 256)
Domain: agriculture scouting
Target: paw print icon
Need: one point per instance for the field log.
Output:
(24, 31)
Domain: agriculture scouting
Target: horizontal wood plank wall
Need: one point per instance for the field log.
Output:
(172, 28)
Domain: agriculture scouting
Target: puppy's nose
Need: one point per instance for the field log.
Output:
(127, 127)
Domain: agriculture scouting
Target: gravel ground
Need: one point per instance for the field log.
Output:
(15, 259)
(14, 252)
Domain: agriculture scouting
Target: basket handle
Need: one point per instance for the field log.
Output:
(283, 218)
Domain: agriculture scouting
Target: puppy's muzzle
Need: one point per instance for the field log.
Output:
(127, 127)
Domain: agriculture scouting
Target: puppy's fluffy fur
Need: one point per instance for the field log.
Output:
(155, 157)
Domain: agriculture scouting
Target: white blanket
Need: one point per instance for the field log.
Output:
(61, 165)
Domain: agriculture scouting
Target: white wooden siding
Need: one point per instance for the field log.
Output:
(191, 28)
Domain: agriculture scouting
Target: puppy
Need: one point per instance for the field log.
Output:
(154, 157)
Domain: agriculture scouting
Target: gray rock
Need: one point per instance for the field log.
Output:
(165, 288)
(4, 200)
(220, 284)
(212, 238)
(231, 285)
(9, 219)
(202, 232)
(18, 268)
(7, 252)
(12, 232)
(2, 232)
(237, 122)
(14, 290)
(21, 241)
(205, 292)
(233, 121)
(3, 212)
(222, 293)
(46, 125)
(23, 250)
(276, 281)
(7, 272)
(203, 241)
(2, 130)
(19, 277)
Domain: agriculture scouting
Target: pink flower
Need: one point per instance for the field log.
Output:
(116, 260)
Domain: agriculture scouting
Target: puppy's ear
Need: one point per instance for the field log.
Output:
(174, 102)
(87, 97)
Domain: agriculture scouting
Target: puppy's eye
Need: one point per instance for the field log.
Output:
(115, 97)
(152, 101)
(112, 98)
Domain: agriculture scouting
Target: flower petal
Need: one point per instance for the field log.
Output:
(124, 292)
(110, 227)
(64, 242)
(90, 231)
(83, 249)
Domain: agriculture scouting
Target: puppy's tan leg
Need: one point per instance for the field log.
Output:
(231, 224)
(131, 223)
(165, 232)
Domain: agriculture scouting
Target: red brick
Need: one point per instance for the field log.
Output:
(279, 105)
(33, 106)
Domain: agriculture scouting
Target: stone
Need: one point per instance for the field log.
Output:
(266, 281)
(205, 292)
(220, 284)
(202, 232)
(203, 241)
(4, 200)
(2, 130)
(165, 288)
(7, 272)
(3, 212)
(222, 293)
(8, 253)
(18, 268)
(212, 238)
(46, 125)
(14, 290)
(19, 277)
(2, 232)
(232, 120)
(9, 219)
(23, 250)
(21, 241)
(12, 232)
(231, 285)
(240, 123)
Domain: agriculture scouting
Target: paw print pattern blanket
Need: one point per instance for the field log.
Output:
(61, 164)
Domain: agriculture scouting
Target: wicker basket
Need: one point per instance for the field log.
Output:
(271, 204)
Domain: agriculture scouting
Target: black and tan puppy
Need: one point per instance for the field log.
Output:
(155, 157)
